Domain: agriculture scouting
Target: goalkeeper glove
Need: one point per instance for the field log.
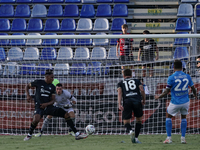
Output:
(67, 106)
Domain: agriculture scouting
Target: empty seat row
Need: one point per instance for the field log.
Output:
(87, 11)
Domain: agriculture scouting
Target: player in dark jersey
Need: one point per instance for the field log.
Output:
(132, 92)
(44, 100)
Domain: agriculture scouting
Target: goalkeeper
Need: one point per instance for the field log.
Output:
(63, 100)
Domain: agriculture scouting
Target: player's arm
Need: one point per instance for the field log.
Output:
(28, 86)
(139, 53)
(119, 97)
(194, 91)
(157, 52)
(44, 105)
(117, 47)
(131, 45)
(142, 93)
(167, 90)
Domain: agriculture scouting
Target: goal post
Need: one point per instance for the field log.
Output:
(88, 67)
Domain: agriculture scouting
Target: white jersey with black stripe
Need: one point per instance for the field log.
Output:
(63, 99)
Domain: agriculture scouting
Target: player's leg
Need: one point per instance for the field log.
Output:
(144, 71)
(72, 116)
(151, 72)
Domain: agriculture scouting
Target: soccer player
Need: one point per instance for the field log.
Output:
(131, 91)
(44, 100)
(63, 100)
(178, 84)
(198, 65)
(148, 47)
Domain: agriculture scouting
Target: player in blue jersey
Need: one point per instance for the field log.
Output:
(178, 84)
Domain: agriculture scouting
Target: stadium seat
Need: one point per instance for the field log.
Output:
(39, 1)
(197, 9)
(7, 1)
(15, 53)
(50, 42)
(61, 69)
(40, 70)
(6, 10)
(68, 25)
(114, 41)
(65, 53)
(24, 1)
(18, 25)
(28, 69)
(183, 24)
(55, 1)
(185, 10)
(94, 68)
(181, 53)
(87, 11)
(2, 54)
(100, 42)
(4, 25)
(182, 41)
(98, 53)
(106, 69)
(121, 1)
(17, 42)
(4, 42)
(88, 1)
(189, 1)
(84, 24)
(120, 10)
(11, 69)
(78, 69)
(67, 42)
(52, 25)
(84, 42)
(112, 53)
(72, 1)
(71, 11)
(48, 53)
(104, 1)
(55, 11)
(198, 23)
(34, 41)
(35, 25)
(39, 10)
(31, 53)
(82, 53)
(117, 23)
(22, 11)
(104, 10)
(101, 24)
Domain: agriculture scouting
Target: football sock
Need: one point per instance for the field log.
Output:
(73, 119)
(183, 127)
(71, 125)
(168, 124)
(128, 127)
(137, 129)
(45, 124)
(31, 129)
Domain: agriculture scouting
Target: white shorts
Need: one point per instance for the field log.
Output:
(69, 110)
(173, 109)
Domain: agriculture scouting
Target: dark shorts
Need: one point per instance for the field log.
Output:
(132, 106)
(126, 59)
(50, 110)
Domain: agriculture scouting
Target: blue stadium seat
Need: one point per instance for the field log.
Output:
(100, 42)
(4, 42)
(104, 10)
(82, 53)
(2, 54)
(6, 10)
(183, 24)
(7, 1)
(114, 41)
(98, 53)
(39, 1)
(39, 10)
(50, 42)
(88, 1)
(28, 69)
(121, 1)
(17, 42)
(71, 11)
(22, 11)
(55, 11)
(65, 53)
(185, 10)
(55, 1)
(67, 42)
(197, 9)
(61, 69)
(198, 23)
(72, 1)
(34, 41)
(68, 25)
(94, 68)
(35, 25)
(189, 1)
(4, 25)
(117, 23)
(104, 1)
(84, 24)
(87, 11)
(106, 69)
(112, 53)
(18, 25)
(120, 10)
(52, 25)
(24, 1)
(11, 69)
(84, 42)
(48, 53)
(31, 53)
(78, 69)
(40, 70)
(182, 41)
(181, 53)
(15, 53)
(101, 24)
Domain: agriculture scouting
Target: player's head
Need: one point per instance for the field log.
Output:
(177, 65)
(59, 88)
(124, 28)
(146, 32)
(198, 63)
(127, 73)
(49, 77)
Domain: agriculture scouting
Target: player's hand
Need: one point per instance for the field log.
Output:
(156, 57)
(43, 106)
(156, 97)
(29, 98)
(143, 102)
(138, 59)
(117, 54)
(121, 107)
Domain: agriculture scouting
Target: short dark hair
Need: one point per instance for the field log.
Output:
(49, 72)
(124, 26)
(59, 85)
(177, 64)
(127, 72)
(141, 79)
(146, 32)
(198, 57)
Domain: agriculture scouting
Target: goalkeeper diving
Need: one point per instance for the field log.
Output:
(65, 101)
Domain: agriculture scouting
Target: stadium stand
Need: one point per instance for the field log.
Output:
(68, 42)
(120, 10)
(55, 11)
(84, 42)
(71, 11)
(22, 11)
(84, 24)
(68, 25)
(78, 69)
(50, 42)
(65, 53)
(18, 25)
(94, 68)
(6, 10)
(98, 53)
(101, 24)
(4, 25)
(52, 25)
(100, 42)
(4, 42)
(182, 41)
(39, 1)
(34, 41)
(15, 54)
(104, 10)
(61, 69)
(48, 53)
(2, 54)
(17, 42)
(185, 10)
(28, 69)
(24, 1)
(183, 24)
(31, 53)
(181, 53)
(82, 53)
(55, 1)
(72, 1)
(35, 25)
(112, 53)
(40, 70)
(11, 69)
(117, 23)
(87, 11)
(39, 10)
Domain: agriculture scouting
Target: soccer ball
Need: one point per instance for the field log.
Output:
(90, 129)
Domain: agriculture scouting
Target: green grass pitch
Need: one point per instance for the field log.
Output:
(98, 142)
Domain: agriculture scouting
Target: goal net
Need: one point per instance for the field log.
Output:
(88, 67)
